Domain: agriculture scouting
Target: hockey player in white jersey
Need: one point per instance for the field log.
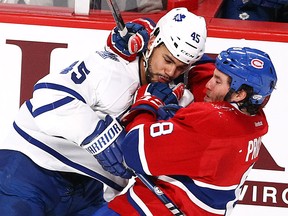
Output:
(47, 163)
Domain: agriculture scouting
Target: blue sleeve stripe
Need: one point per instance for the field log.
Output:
(29, 106)
(47, 107)
(207, 195)
(59, 88)
(52, 106)
(130, 151)
(65, 160)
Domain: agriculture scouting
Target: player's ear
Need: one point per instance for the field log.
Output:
(150, 42)
(238, 96)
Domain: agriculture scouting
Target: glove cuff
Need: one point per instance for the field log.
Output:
(147, 103)
(110, 46)
(105, 139)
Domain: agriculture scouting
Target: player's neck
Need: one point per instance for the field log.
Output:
(241, 109)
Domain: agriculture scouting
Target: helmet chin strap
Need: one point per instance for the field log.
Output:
(146, 66)
(146, 56)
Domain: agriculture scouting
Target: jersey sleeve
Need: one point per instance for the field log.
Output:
(70, 104)
(59, 110)
(166, 147)
(197, 79)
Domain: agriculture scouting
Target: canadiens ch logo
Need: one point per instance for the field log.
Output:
(257, 63)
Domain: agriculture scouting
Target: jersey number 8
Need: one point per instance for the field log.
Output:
(161, 128)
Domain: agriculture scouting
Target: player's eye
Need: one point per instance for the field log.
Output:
(168, 61)
(218, 81)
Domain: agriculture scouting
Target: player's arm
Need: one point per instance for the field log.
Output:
(150, 100)
(199, 75)
(157, 147)
(61, 107)
(136, 40)
(71, 118)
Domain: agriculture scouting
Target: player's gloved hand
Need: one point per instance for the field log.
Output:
(135, 41)
(105, 146)
(162, 91)
(149, 98)
(168, 111)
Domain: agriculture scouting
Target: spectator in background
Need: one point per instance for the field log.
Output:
(58, 3)
(144, 6)
(260, 10)
(30, 2)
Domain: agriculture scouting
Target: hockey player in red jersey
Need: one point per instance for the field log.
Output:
(201, 156)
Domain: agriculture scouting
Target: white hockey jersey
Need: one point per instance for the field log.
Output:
(65, 109)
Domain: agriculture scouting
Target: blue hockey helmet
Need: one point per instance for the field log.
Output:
(251, 67)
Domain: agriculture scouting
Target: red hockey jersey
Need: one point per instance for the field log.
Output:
(201, 158)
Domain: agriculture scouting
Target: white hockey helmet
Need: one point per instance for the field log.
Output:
(183, 33)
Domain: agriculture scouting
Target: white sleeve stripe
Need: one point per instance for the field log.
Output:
(215, 187)
(139, 202)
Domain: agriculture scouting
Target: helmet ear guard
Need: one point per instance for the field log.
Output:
(251, 67)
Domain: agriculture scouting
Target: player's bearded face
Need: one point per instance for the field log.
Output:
(163, 66)
(217, 87)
